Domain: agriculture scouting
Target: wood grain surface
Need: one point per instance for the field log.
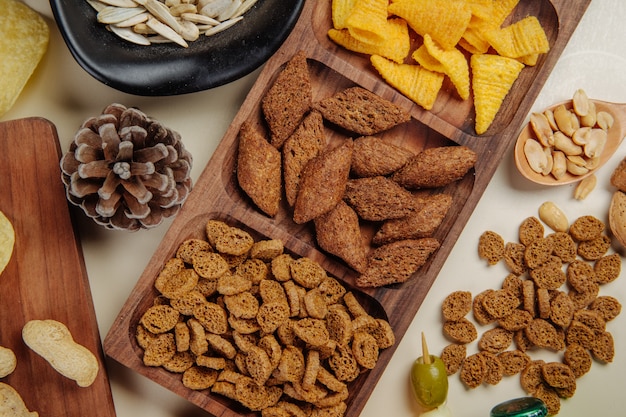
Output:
(217, 195)
(46, 276)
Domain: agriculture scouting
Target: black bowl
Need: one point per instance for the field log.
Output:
(169, 69)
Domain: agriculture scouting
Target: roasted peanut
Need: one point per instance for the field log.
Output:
(550, 117)
(580, 103)
(605, 120)
(541, 126)
(535, 155)
(559, 164)
(565, 144)
(581, 135)
(585, 187)
(553, 216)
(589, 119)
(595, 144)
(574, 169)
(566, 120)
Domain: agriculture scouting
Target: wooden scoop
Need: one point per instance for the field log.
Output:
(615, 135)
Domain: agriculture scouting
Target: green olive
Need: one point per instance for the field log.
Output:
(429, 382)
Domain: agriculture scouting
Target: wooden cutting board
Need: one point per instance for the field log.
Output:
(217, 195)
(46, 276)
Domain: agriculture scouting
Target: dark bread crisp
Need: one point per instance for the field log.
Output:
(495, 340)
(608, 268)
(474, 370)
(453, 356)
(481, 315)
(538, 252)
(530, 229)
(604, 348)
(563, 246)
(548, 276)
(580, 334)
(303, 145)
(586, 228)
(379, 198)
(513, 283)
(259, 169)
(323, 183)
(557, 374)
(288, 99)
(591, 319)
(531, 377)
(513, 361)
(517, 320)
(608, 307)
(491, 247)
(578, 359)
(495, 370)
(436, 167)
(456, 305)
(431, 211)
(338, 233)
(561, 309)
(361, 111)
(460, 331)
(514, 257)
(396, 262)
(579, 274)
(374, 156)
(543, 334)
(500, 303)
(594, 249)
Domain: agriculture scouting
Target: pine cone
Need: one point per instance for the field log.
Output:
(126, 170)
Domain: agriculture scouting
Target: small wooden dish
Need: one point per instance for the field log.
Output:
(615, 137)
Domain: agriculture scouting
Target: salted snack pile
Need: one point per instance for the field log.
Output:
(569, 139)
(149, 22)
(243, 319)
(550, 300)
(362, 178)
(465, 41)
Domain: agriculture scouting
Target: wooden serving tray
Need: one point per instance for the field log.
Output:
(46, 276)
(217, 195)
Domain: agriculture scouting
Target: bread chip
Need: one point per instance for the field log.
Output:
(492, 79)
(292, 86)
(379, 198)
(396, 262)
(338, 232)
(443, 20)
(416, 82)
(24, 36)
(303, 145)
(436, 167)
(259, 169)
(395, 44)
(374, 156)
(361, 111)
(323, 183)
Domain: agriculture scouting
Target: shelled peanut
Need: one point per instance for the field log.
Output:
(568, 140)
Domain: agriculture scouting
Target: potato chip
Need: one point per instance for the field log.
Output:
(368, 20)
(481, 9)
(426, 60)
(340, 10)
(396, 45)
(501, 9)
(24, 38)
(492, 79)
(7, 241)
(445, 21)
(416, 82)
(522, 38)
(454, 65)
